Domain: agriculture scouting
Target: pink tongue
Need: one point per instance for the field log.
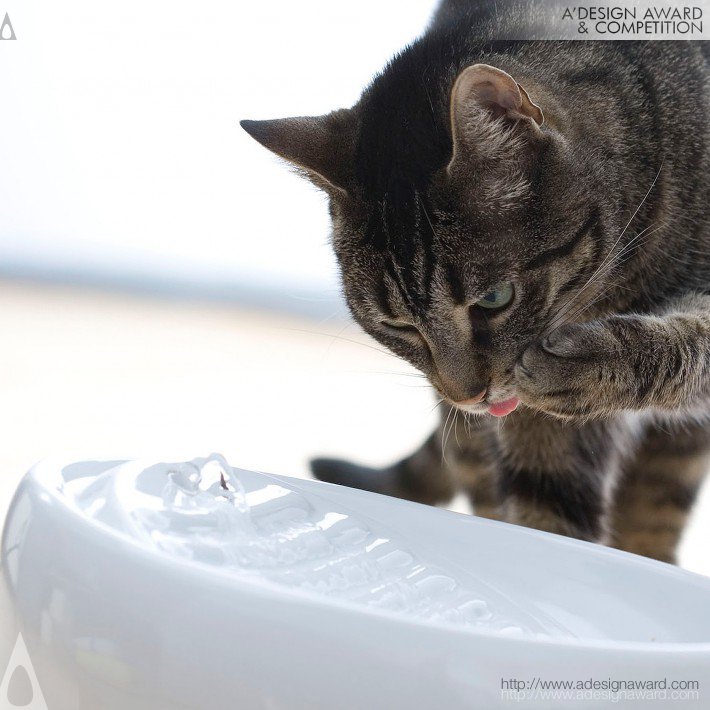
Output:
(500, 409)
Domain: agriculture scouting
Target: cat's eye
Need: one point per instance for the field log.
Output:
(497, 298)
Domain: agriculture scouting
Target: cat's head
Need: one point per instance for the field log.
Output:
(461, 221)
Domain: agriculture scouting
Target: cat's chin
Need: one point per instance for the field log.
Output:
(471, 408)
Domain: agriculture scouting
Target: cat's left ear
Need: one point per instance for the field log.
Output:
(481, 93)
(320, 146)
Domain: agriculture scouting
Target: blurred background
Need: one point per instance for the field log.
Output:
(166, 285)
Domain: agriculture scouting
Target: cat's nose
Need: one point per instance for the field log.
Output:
(475, 399)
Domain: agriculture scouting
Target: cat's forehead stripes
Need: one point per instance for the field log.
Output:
(402, 230)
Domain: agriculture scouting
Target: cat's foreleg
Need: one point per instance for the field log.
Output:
(470, 454)
(560, 476)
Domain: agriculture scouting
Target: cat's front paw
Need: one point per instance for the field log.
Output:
(578, 370)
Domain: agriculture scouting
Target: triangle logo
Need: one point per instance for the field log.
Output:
(6, 29)
(19, 687)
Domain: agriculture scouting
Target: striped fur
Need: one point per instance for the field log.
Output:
(599, 218)
(658, 489)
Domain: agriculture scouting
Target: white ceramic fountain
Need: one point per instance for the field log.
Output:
(194, 585)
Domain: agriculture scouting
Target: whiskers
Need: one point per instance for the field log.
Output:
(451, 425)
(421, 380)
(595, 285)
(446, 432)
(340, 336)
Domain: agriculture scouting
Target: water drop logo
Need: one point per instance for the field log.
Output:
(19, 687)
(6, 29)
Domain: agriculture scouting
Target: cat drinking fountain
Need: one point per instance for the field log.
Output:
(195, 585)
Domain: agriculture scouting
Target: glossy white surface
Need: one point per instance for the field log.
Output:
(196, 585)
(250, 526)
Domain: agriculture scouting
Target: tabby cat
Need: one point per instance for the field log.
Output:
(527, 224)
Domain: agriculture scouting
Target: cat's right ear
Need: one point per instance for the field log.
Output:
(483, 94)
(319, 146)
